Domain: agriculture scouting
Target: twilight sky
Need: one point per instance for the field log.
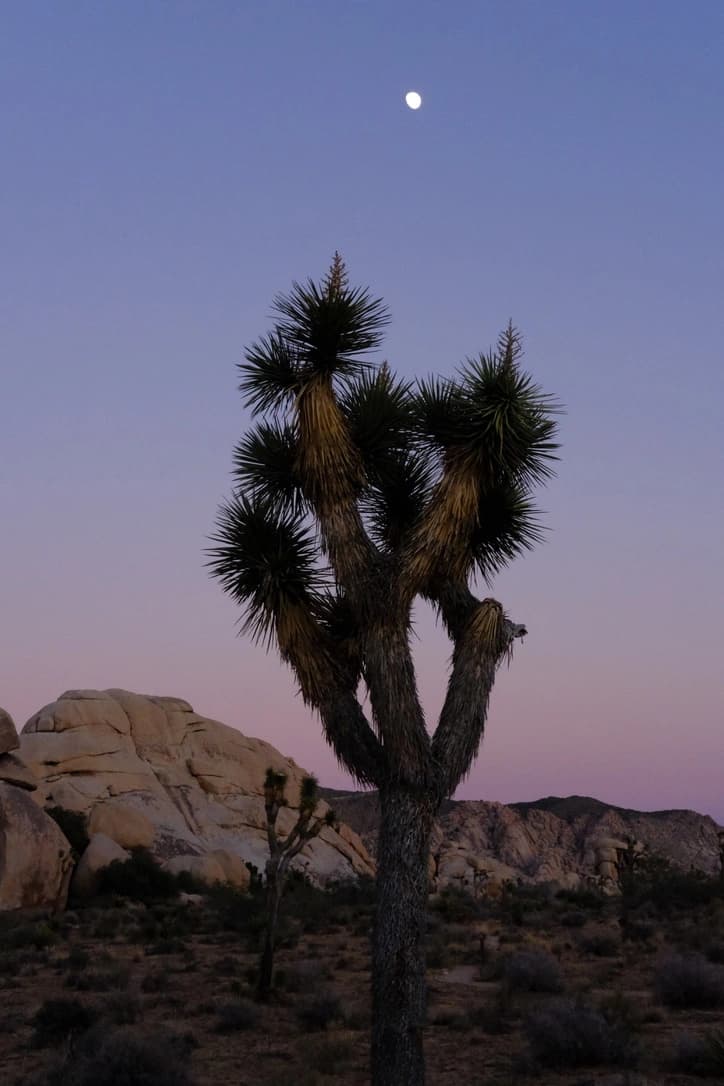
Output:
(167, 167)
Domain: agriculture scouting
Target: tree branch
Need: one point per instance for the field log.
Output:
(355, 744)
(441, 544)
(390, 677)
(332, 474)
(483, 635)
(328, 681)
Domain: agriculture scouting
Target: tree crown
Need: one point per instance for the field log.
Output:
(356, 491)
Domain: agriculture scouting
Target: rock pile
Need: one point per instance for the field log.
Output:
(149, 771)
(568, 842)
(35, 858)
(609, 857)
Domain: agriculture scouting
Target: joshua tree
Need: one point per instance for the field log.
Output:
(282, 851)
(358, 492)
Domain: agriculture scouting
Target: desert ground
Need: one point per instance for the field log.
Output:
(535, 986)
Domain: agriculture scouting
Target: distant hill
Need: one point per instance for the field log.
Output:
(551, 838)
(569, 808)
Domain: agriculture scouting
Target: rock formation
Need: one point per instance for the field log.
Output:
(101, 852)
(570, 841)
(35, 858)
(150, 771)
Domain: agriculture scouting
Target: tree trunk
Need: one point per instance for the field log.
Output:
(266, 963)
(398, 952)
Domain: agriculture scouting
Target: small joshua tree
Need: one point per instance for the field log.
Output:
(282, 851)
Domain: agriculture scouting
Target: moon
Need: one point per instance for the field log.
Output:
(413, 100)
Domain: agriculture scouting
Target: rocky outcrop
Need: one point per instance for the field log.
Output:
(8, 735)
(233, 868)
(125, 825)
(564, 841)
(14, 771)
(35, 858)
(151, 771)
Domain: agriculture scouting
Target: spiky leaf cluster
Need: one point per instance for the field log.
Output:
(265, 464)
(275, 783)
(478, 441)
(321, 330)
(266, 559)
(492, 417)
(308, 793)
(507, 526)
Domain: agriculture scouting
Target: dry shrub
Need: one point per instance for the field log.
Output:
(237, 1016)
(533, 971)
(689, 981)
(565, 1034)
(318, 1012)
(122, 1058)
(59, 1019)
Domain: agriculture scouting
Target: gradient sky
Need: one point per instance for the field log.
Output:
(167, 167)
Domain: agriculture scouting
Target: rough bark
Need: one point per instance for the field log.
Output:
(266, 963)
(390, 677)
(398, 951)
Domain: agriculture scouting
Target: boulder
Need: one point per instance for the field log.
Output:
(206, 869)
(100, 853)
(14, 771)
(236, 873)
(128, 827)
(35, 857)
(196, 783)
(609, 843)
(8, 735)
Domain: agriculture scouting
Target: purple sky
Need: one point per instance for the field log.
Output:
(167, 167)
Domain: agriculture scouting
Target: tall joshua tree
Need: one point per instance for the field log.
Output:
(358, 492)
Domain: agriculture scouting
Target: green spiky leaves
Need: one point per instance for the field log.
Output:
(329, 327)
(384, 479)
(492, 416)
(395, 502)
(275, 783)
(507, 526)
(308, 794)
(380, 417)
(322, 330)
(509, 423)
(266, 560)
(271, 374)
(439, 413)
(265, 464)
(493, 431)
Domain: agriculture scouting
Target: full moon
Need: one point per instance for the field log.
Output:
(413, 100)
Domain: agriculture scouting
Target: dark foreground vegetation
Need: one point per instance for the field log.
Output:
(144, 987)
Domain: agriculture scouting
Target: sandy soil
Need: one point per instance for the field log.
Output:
(175, 967)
